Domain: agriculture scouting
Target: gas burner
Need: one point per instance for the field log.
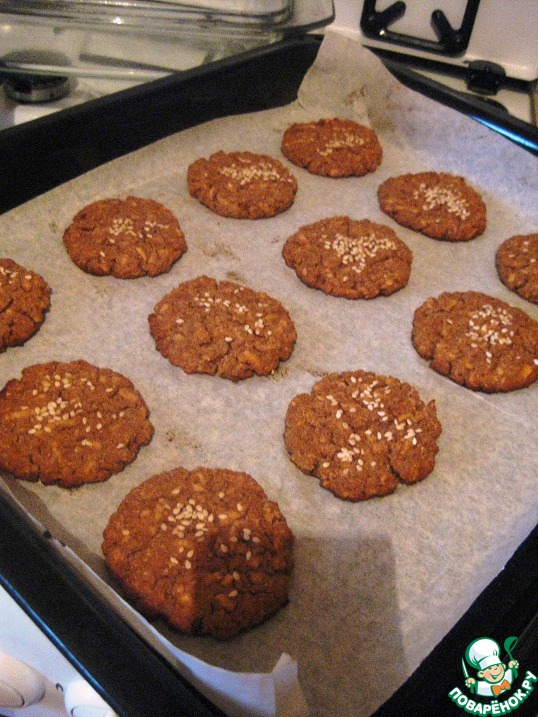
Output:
(24, 85)
(36, 88)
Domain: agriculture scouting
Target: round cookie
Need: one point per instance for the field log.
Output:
(223, 328)
(516, 260)
(357, 259)
(362, 434)
(332, 147)
(125, 238)
(205, 549)
(242, 185)
(439, 205)
(24, 301)
(70, 424)
(478, 341)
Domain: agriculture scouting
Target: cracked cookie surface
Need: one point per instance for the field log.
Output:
(356, 259)
(242, 185)
(24, 302)
(439, 205)
(477, 340)
(223, 328)
(332, 147)
(125, 238)
(362, 434)
(205, 549)
(70, 424)
(516, 260)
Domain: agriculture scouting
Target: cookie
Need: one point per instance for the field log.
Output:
(478, 341)
(227, 329)
(24, 302)
(205, 549)
(332, 147)
(125, 238)
(516, 260)
(242, 185)
(70, 423)
(350, 258)
(362, 434)
(439, 205)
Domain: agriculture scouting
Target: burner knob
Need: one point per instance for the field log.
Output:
(20, 684)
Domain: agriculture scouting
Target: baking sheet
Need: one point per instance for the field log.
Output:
(376, 584)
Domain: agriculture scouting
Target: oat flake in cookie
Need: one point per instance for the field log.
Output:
(478, 341)
(125, 238)
(223, 328)
(362, 434)
(242, 185)
(205, 549)
(350, 258)
(24, 302)
(332, 147)
(439, 205)
(517, 265)
(70, 423)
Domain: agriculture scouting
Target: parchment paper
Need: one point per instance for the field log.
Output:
(376, 584)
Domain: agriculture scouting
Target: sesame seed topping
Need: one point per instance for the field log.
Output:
(489, 327)
(346, 140)
(356, 251)
(249, 172)
(436, 197)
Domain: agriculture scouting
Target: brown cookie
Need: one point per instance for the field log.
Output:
(24, 301)
(478, 341)
(517, 265)
(332, 147)
(125, 238)
(205, 549)
(362, 434)
(70, 423)
(439, 205)
(242, 185)
(223, 328)
(345, 257)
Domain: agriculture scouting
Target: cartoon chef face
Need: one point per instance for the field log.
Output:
(492, 674)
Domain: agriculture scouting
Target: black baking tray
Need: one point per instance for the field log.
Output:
(135, 680)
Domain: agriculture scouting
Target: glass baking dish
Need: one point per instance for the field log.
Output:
(139, 12)
(140, 40)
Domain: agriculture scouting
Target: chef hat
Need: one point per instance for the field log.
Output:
(483, 653)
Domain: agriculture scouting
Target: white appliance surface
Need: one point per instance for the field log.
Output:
(36, 680)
